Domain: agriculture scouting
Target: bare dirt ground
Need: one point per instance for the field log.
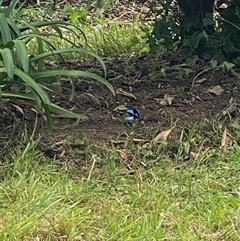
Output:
(164, 101)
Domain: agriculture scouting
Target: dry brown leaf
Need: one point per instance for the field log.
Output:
(122, 153)
(62, 153)
(194, 155)
(138, 140)
(184, 159)
(198, 98)
(120, 91)
(226, 139)
(199, 154)
(162, 136)
(34, 110)
(120, 108)
(3, 108)
(167, 100)
(19, 109)
(200, 81)
(231, 107)
(216, 90)
(93, 98)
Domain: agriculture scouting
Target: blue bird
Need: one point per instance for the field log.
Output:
(131, 114)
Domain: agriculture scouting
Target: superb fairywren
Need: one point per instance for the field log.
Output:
(131, 114)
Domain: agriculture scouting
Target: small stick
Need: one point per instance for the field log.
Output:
(205, 70)
(91, 170)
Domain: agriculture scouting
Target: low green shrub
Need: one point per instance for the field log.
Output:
(215, 37)
(23, 76)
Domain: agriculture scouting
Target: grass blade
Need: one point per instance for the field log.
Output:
(33, 86)
(69, 114)
(40, 41)
(14, 27)
(8, 62)
(67, 50)
(75, 73)
(54, 108)
(22, 54)
(8, 10)
(4, 29)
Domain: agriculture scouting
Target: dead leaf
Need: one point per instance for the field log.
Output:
(167, 100)
(122, 153)
(226, 139)
(34, 111)
(19, 109)
(120, 91)
(198, 98)
(120, 108)
(199, 154)
(200, 81)
(162, 136)
(92, 97)
(146, 166)
(216, 90)
(231, 107)
(137, 140)
(194, 155)
(184, 159)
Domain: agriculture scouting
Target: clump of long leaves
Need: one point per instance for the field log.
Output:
(22, 76)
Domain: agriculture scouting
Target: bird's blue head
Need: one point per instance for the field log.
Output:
(133, 112)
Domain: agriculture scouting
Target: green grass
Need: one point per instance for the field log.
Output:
(105, 37)
(114, 38)
(39, 200)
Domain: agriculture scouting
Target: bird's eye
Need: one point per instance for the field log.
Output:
(137, 113)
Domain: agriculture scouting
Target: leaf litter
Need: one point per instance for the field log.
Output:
(177, 104)
(216, 90)
(166, 100)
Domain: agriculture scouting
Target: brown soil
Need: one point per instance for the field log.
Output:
(192, 102)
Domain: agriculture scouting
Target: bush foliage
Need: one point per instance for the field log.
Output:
(214, 35)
